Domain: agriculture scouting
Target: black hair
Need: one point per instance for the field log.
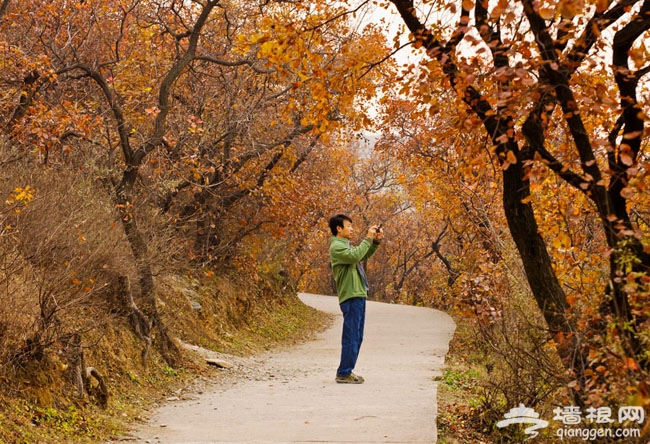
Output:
(337, 221)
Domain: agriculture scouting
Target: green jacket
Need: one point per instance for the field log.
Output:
(344, 259)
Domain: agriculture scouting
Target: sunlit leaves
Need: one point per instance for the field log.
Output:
(323, 58)
(21, 195)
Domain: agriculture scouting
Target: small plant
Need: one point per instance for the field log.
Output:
(168, 371)
(133, 377)
(457, 380)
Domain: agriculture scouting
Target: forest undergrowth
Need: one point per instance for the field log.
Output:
(480, 383)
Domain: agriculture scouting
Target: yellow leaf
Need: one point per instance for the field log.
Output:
(267, 48)
(561, 240)
(570, 8)
(259, 38)
(602, 5)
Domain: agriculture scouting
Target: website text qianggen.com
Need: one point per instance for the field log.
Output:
(593, 434)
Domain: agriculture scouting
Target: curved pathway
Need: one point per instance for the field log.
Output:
(297, 400)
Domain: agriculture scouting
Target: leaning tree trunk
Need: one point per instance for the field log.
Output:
(148, 314)
(133, 161)
(547, 291)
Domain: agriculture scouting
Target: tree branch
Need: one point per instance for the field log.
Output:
(223, 62)
(596, 25)
(116, 109)
(174, 73)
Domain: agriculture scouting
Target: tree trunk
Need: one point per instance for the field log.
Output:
(149, 309)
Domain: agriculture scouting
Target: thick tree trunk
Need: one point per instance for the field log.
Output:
(150, 317)
(543, 282)
(124, 197)
(546, 289)
(133, 159)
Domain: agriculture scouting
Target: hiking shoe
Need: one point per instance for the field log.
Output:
(350, 379)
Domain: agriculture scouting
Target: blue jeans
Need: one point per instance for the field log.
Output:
(354, 317)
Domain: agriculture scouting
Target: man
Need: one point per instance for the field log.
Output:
(352, 289)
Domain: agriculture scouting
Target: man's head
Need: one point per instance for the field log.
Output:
(341, 226)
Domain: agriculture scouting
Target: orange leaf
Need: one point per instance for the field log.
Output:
(631, 364)
(626, 158)
(468, 5)
(627, 192)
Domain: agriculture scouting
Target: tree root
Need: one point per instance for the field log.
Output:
(80, 374)
(101, 393)
(139, 321)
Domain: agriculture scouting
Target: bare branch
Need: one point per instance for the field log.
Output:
(242, 62)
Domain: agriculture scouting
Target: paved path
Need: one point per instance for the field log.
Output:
(297, 401)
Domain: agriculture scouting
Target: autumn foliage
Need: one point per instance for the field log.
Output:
(145, 140)
(556, 92)
(142, 139)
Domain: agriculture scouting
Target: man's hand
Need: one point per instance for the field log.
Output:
(380, 233)
(375, 232)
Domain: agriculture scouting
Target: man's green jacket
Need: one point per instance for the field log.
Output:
(344, 258)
